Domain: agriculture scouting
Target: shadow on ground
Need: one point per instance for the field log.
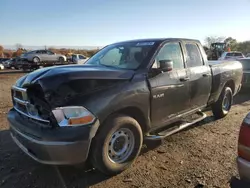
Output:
(18, 170)
(13, 71)
(242, 97)
(237, 183)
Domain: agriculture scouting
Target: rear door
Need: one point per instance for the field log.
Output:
(43, 55)
(200, 75)
(50, 56)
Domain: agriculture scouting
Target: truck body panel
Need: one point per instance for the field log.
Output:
(153, 96)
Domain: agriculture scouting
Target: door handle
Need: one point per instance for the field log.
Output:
(184, 79)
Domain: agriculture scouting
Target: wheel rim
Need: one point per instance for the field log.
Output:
(121, 145)
(36, 60)
(226, 102)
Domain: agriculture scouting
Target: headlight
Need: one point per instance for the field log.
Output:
(73, 116)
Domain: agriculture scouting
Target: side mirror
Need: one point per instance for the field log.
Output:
(166, 65)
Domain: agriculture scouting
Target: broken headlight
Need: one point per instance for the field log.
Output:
(73, 116)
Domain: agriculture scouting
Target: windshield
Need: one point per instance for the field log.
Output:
(129, 55)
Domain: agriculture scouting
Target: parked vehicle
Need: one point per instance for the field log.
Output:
(3, 59)
(246, 72)
(127, 92)
(216, 50)
(77, 59)
(38, 56)
(231, 56)
(248, 55)
(243, 159)
(12, 63)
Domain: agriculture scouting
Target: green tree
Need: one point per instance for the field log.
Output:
(232, 43)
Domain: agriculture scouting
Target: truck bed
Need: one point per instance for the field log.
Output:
(223, 72)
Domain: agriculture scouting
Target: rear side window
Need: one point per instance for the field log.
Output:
(238, 54)
(229, 55)
(81, 57)
(194, 58)
(171, 51)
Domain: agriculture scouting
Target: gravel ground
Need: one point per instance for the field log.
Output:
(200, 156)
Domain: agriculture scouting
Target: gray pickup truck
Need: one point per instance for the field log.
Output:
(126, 93)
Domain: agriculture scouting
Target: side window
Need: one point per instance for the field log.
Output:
(170, 51)
(38, 52)
(229, 55)
(81, 57)
(113, 56)
(194, 58)
(49, 52)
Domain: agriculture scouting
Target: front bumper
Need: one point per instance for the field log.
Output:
(56, 146)
(243, 168)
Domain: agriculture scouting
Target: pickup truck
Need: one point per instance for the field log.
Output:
(128, 92)
(77, 59)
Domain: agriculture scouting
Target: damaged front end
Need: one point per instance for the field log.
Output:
(58, 107)
(30, 103)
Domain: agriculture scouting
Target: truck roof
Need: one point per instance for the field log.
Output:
(158, 40)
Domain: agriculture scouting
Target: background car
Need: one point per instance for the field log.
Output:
(38, 56)
(12, 63)
(3, 59)
(243, 159)
(231, 55)
(77, 59)
(246, 72)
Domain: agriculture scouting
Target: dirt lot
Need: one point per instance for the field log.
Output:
(201, 156)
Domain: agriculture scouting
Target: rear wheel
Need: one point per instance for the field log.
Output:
(61, 59)
(36, 60)
(116, 145)
(223, 105)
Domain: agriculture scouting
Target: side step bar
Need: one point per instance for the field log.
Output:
(168, 132)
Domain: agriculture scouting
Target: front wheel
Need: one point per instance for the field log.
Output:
(36, 60)
(223, 105)
(61, 60)
(116, 145)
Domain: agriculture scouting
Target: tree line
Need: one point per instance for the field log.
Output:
(234, 45)
(6, 53)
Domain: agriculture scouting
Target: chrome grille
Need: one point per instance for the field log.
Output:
(22, 104)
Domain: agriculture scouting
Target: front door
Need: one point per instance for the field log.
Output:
(169, 90)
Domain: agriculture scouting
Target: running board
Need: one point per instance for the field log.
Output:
(170, 131)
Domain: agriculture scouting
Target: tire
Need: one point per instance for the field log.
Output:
(36, 60)
(222, 107)
(116, 127)
(61, 59)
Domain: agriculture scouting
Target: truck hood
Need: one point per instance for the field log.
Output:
(50, 78)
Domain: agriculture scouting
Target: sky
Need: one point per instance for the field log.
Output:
(101, 22)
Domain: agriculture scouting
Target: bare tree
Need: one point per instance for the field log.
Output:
(1, 51)
(212, 39)
(19, 46)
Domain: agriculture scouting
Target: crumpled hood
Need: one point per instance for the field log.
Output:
(50, 78)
